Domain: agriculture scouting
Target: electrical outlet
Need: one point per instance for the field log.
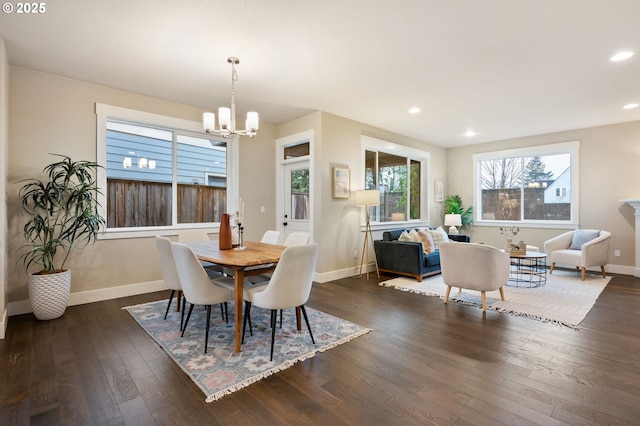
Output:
(355, 254)
(262, 209)
(616, 253)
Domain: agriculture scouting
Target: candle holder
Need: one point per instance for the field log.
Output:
(241, 246)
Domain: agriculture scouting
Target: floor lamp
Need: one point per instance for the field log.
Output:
(367, 199)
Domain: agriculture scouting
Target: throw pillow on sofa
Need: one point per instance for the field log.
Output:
(439, 236)
(428, 246)
(408, 236)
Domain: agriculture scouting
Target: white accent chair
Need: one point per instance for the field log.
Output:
(592, 253)
(474, 267)
(197, 287)
(169, 273)
(289, 287)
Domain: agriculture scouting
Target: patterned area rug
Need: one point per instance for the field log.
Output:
(221, 370)
(564, 300)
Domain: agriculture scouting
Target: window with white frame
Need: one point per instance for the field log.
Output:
(159, 173)
(397, 172)
(528, 185)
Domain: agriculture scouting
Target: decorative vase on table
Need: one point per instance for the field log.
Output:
(508, 245)
(225, 240)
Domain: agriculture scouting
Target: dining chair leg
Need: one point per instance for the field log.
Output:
(173, 292)
(226, 312)
(274, 315)
(247, 317)
(184, 303)
(187, 321)
(222, 310)
(206, 335)
(306, 320)
(281, 317)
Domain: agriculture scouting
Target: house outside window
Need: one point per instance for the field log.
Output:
(158, 176)
(531, 185)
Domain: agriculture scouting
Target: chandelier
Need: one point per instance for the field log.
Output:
(227, 116)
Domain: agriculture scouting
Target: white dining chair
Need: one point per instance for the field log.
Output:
(169, 273)
(195, 236)
(197, 287)
(270, 237)
(296, 238)
(289, 287)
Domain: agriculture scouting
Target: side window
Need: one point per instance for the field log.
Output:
(162, 177)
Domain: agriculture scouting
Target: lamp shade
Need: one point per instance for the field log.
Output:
(452, 220)
(368, 197)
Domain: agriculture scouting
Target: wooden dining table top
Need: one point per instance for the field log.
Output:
(256, 253)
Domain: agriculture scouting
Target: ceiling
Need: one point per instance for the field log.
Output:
(504, 68)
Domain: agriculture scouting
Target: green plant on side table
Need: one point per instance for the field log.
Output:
(453, 205)
(64, 214)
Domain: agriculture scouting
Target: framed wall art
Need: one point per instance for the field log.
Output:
(438, 191)
(341, 182)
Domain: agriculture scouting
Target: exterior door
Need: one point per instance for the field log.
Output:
(297, 198)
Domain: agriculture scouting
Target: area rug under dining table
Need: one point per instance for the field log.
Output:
(564, 300)
(222, 371)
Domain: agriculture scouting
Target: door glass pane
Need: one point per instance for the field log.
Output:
(295, 151)
(300, 194)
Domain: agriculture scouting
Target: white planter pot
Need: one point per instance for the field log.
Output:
(49, 294)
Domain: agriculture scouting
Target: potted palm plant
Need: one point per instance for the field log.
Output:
(453, 205)
(64, 214)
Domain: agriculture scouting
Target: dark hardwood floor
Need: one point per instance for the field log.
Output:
(424, 363)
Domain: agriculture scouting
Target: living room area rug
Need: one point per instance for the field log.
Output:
(564, 300)
(222, 371)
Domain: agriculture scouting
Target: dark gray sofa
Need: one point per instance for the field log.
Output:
(406, 257)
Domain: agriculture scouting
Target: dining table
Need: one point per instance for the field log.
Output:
(254, 258)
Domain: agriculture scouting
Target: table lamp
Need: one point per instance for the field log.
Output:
(453, 220)
(368, 198)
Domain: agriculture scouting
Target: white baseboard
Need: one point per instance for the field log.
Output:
(24, 307)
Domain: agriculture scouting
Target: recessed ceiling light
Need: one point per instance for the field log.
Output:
(621, 56)
(631, 106)
(470, 133)
(414, 110)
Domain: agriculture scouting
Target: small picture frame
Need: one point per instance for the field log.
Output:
(341, 182)
(438, 191)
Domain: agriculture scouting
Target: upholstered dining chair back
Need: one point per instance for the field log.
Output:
(169, 273)
(197, 287)
(192, 236)
(270, 237)
(196, 284)
(296, 239)
(290, 284)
